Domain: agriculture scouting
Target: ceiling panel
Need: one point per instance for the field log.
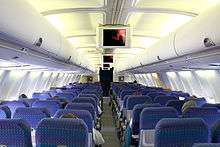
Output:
(143, 42)
(156, 25)
(195, 6)
(70, 24)
(46, 5)
(80, 42)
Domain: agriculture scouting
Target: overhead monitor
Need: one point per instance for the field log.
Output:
(106, 65)
(114, 36)
(107, 59)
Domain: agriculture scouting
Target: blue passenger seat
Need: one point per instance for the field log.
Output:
(15, 133)
(62, 133)
(32, 115)
(5, 112)
(51, 106)
(176, 132)
(148, 120)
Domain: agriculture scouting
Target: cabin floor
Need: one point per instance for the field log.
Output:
(108, 130)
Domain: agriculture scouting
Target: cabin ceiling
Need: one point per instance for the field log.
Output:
(150, 20)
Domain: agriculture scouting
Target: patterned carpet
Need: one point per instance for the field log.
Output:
(108, 129)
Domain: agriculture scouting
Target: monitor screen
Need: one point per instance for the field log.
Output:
(114, 37)
(106, 65)
(108, 59)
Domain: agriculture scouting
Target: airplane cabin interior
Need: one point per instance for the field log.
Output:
(109, 73)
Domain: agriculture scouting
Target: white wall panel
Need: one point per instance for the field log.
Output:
(15, 82)
(202, 83)
(150, 79)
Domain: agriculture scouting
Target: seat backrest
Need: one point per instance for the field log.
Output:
(67, 95)
(82, 114)
(15, 133)
(128, 92)
(28, 101)
(155, 94)
(180, 94)
(90, 95)
(212, 105)
(136, 116)
(216, 132)
(41, 95)
(163, 99)
(82, 106)
(206, 145)
(65, 132)
(32, 115)
(91, 92)
(52, 92)
(150, 116)
(52, 106)
(13, 105)
(177, 104)
(209, 114)
(5, 112)
(134, 100)
(86, 100)
(177, 132)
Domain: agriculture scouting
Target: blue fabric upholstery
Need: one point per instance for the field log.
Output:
(15, 133)
(13, 105)
(212, 105)
(163, 99)
(82, 106)
(134, 100)
(28, 101)
(90, 95)
(150, 116)
(155, 94)
(177, 104)
(61, 100)
(52, 92)
(180, 94)
(63, 132)
(127, 92)
(86, 100)
(41, 96)
(206, 145)
(52, 106)
(5, 112)
(67, 95)
(91, 92)
(82, 114)
(216, 132)
(175, 132)
(32, 115)
(136, 116)
(209, 114)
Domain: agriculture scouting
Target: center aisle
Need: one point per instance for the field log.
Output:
(108, 129)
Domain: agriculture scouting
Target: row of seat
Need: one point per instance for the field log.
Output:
(50, 132)
(43, 116)
(143, 112)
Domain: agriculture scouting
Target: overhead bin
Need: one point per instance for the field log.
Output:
(162, 50)
(186, 40)
(190, 38)
(26, 25)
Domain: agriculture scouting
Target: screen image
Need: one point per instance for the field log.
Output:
(114, 37)
(108, 59)
(106, 65)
